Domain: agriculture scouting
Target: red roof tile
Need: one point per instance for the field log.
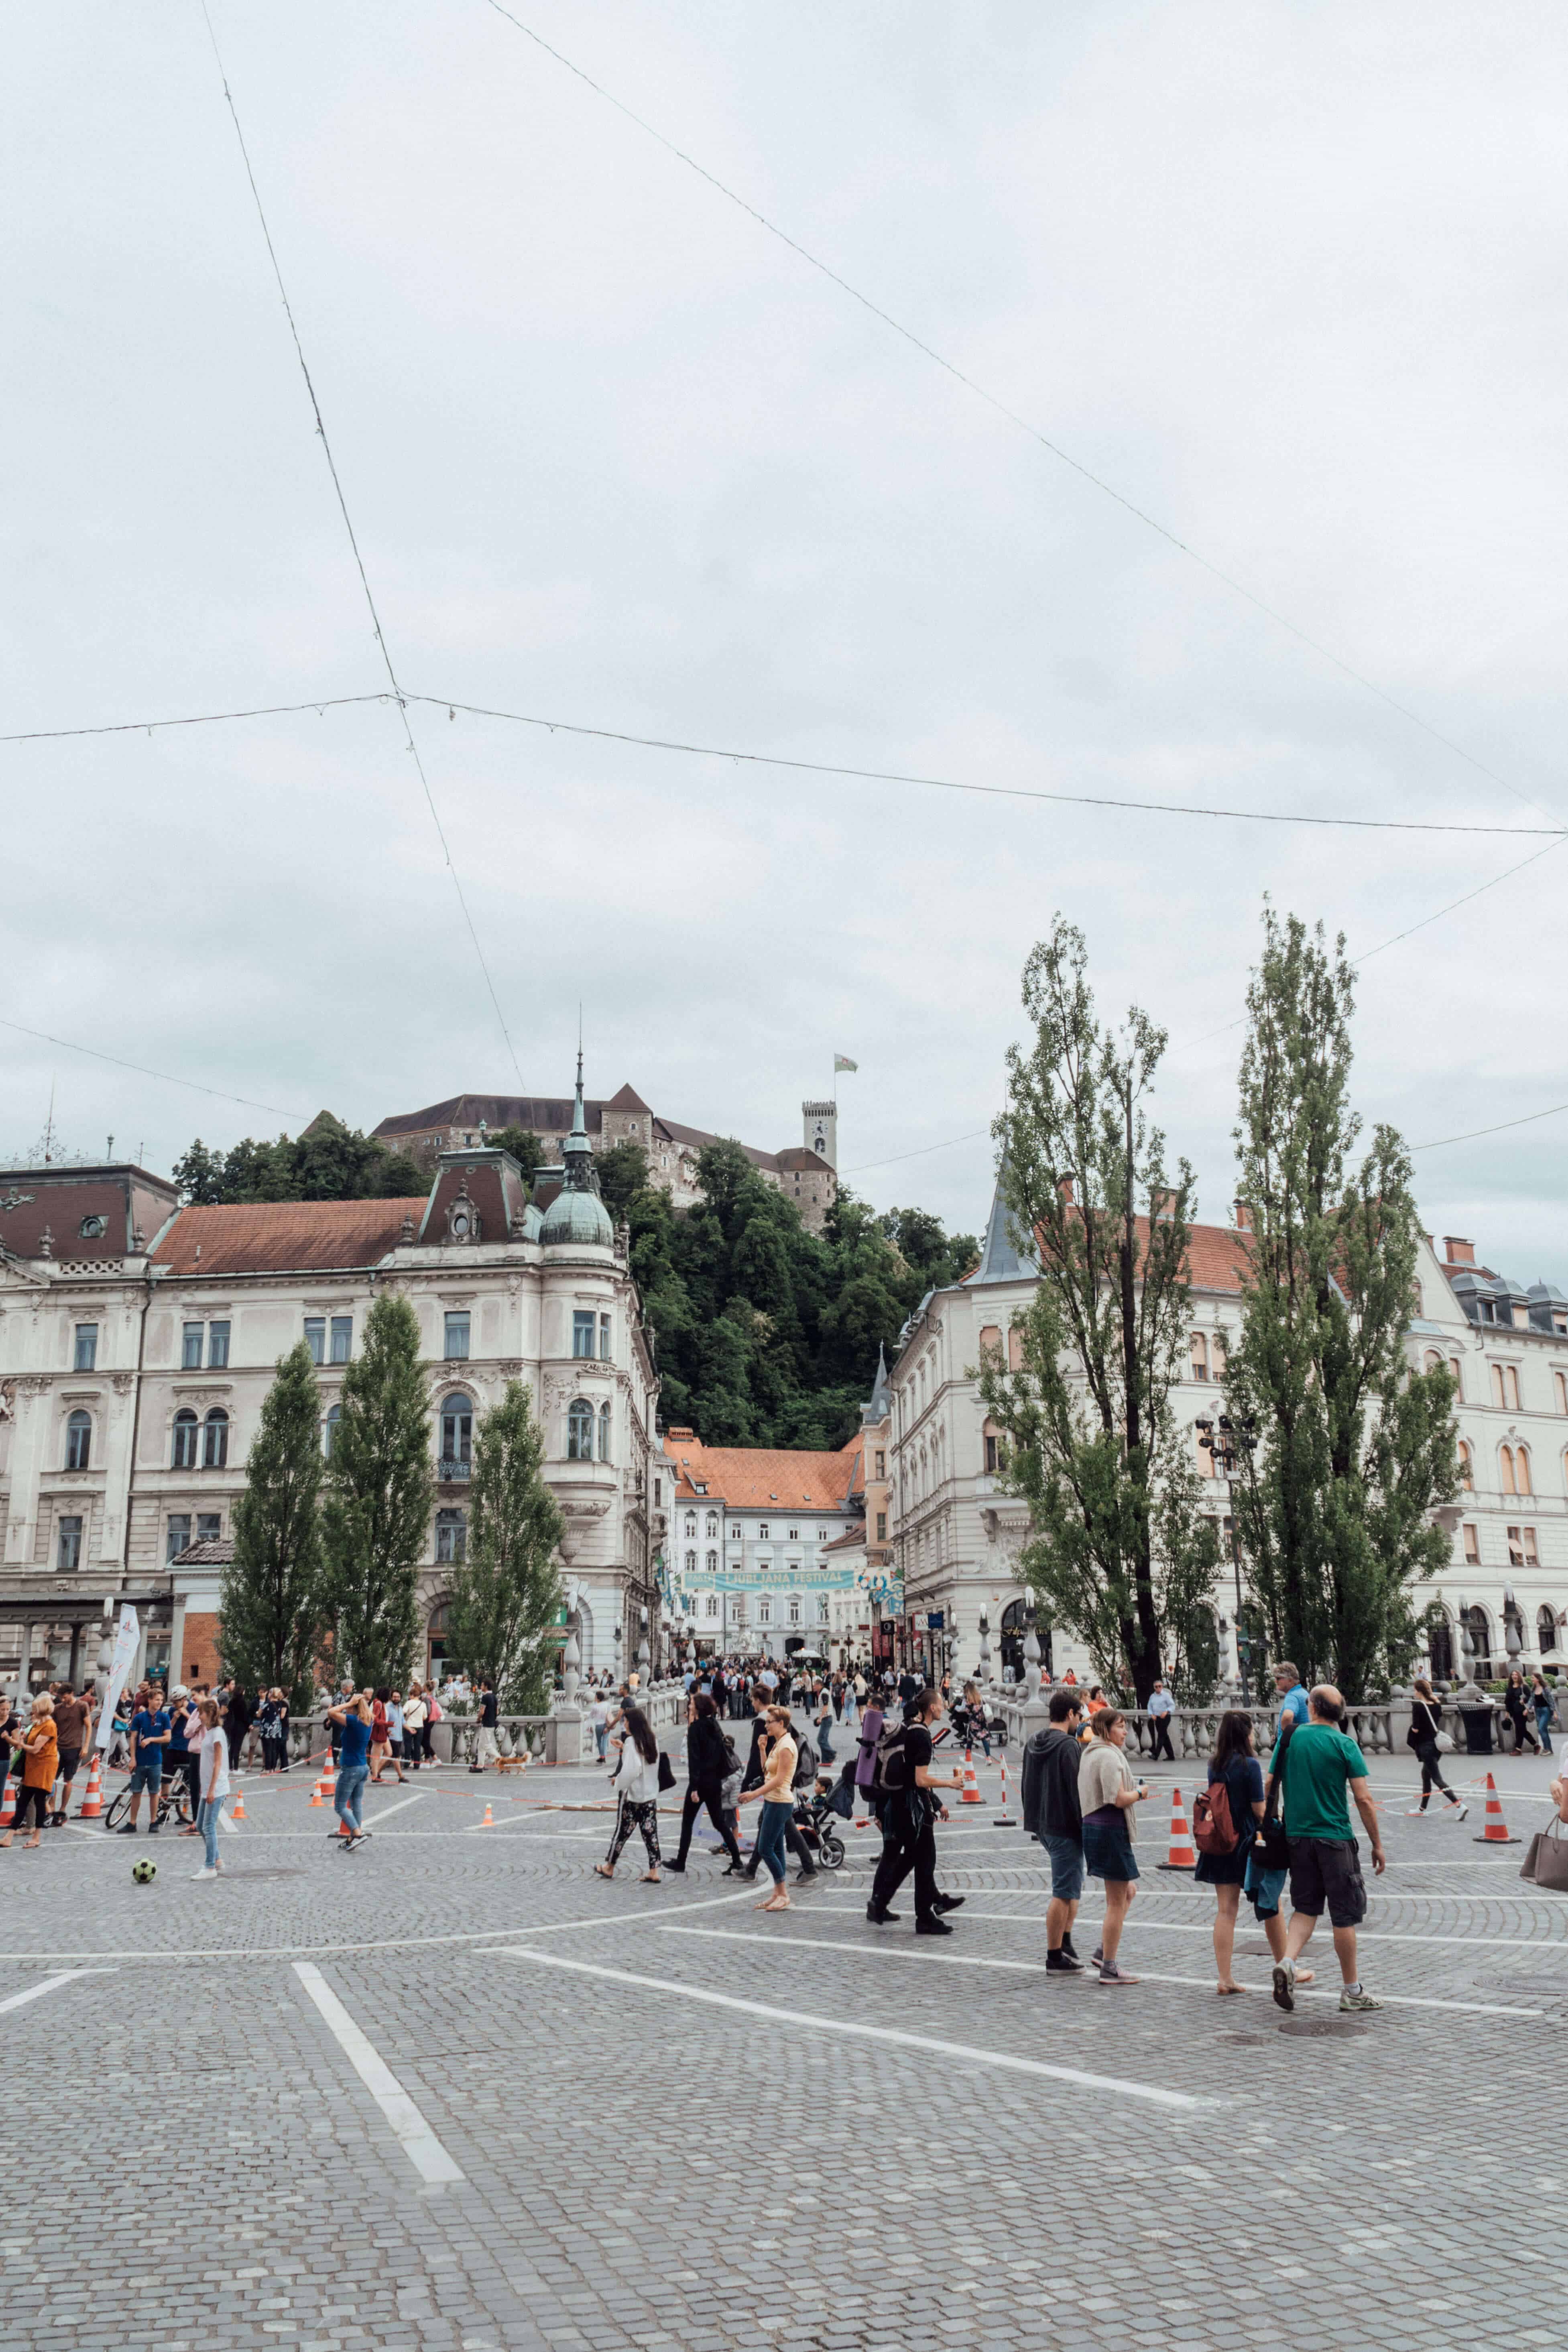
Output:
(283, 1236)
(751, 1477)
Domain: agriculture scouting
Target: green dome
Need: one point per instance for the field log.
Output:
(577, 1217)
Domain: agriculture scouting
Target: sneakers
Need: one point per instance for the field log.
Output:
(1095, 1957)
(1062, 1964)
(207, 1870)
(1067, 1949)
(882, 1918)
(1285, 1984)
(949, 1903)
(1463, 1811)
(679, 1866)
(1112, 1974)
(932, 1927)
(1357, 2003)
(127, 1829)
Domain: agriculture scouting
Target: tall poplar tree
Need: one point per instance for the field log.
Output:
(1121, 1554)
(1354, 1449)
(505, 1594)
(380, 1492)
(272, 1597)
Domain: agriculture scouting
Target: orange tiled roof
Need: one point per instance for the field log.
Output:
(1216, 1256)
(750, 1477)
(283, 1236)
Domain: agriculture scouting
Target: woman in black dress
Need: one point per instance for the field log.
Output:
(1235, 1766)
(708, 1762)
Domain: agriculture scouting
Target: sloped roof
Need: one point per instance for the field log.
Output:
(850, 1541)
(628, 1099)
(1217, 1255)
(798, 1158)
(281, 1236)
(1000, 1258)
(751, 1477)
(545, 1114)
(219, 1553)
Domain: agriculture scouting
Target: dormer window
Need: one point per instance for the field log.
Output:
(92, 1229)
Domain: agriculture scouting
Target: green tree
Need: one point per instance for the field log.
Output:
(525, 1147)
(328, 1162)
(1354, 1450)
(272, 1595)
(379, 1490)
(622, 1172)
(1119, 1552)
(506, 1592)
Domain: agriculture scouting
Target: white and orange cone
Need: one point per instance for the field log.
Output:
(238, 1810)
(1183, 1853)
(1496, 1829)
(1003, 1820)
(8, 1806)
(971, 1792)
(92, 1803)
(488, 1821)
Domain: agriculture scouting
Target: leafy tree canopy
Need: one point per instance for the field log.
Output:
(329, 1161)
(526, 1148)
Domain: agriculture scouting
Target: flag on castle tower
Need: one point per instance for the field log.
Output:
(843, 1062)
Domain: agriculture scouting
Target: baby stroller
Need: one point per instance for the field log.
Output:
(818, 1813)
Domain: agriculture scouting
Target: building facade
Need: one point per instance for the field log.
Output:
(133, 1370)
(805, 1173)
(752, 1562)
(958, 1532)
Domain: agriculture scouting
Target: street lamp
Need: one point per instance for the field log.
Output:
(985, 1648)
(1227, 1446)
(642, 1642)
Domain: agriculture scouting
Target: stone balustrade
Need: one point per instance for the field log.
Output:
(564, 1736)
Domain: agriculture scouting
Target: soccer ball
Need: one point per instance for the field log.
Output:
(143, 1872)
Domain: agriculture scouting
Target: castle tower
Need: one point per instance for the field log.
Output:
(821, 1135)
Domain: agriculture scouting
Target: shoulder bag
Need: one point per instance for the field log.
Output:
(1274, 1852)
(1546, 1863)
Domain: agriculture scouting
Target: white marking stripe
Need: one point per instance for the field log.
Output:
(383, 1813)
(419, 2143)
(1000, 2060)
(1038, 1969)
(1205, 1928)
(47, 1984)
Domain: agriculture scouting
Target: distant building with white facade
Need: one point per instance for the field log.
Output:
(755, 1553)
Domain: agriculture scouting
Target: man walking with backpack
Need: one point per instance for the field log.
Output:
(904, 1773)
(1321, 1766)
(1052, 1813)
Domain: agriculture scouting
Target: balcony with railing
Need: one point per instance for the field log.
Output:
(453, 1470)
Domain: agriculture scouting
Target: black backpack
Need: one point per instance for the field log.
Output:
(890, 1768)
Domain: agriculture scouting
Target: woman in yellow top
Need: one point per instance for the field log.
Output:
(778, 1803)
(40, 1746)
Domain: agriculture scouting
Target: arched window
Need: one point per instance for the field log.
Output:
(329, 1431)
(604, 1431)
(711, 1562)
(1015, 1349)
(456, 1436)
(1480, 1634)
(1440, 1645)
(451, 1537)
(1205, 1459)
(1505, 1469)
(996, 1449)
(990, 1347)
(1521, 1469)
(215, 1440)
(1432, 1361)
(1467, 1469)
(1561, 1382)
(691, 1523)
(580, 1431)
(691, 1563)
(712, 1525)
(78, 1440)
(185, 1440)
(1199, 1347)
(1546, 1629)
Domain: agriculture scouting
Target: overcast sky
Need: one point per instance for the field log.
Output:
(1289, 279)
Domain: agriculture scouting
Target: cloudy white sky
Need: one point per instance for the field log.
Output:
(1290, 278)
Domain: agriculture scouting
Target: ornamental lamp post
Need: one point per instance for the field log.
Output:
(984, 1647)
(1031, 1654)
(642, 1642)
(1513, 1642)
(1226, 1448)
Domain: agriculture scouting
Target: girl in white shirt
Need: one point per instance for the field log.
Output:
(212, 1782)
(637, 1785)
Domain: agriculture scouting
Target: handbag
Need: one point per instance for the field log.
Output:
(1445, 1743)
(1546, 1863)
(666, 1771)
(1272, 1847)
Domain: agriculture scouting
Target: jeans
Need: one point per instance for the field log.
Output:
(206, 1822)
(602, 1740)
(1543, 1723)
(349, 1795)
(775, 1819)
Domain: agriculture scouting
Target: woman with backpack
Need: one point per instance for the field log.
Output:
(1225, 1820)
(709, 1761)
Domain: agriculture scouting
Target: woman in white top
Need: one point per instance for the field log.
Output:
(212, 1782)
(637, 1785)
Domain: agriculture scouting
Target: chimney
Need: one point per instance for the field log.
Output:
(1457, 1252)
(1243, 1217)
(1065, 1187)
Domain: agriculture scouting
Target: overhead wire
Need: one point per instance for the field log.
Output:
(70, 1046)
(1098, 481)
(194, 719)
(397, 694)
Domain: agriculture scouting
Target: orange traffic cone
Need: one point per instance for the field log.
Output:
(1183, 1853)
(970, 1792)
(488, 1821)
(8, 1808)
(237, 1811)
(316, 1797)
(92, 1803)
(1496, 1832)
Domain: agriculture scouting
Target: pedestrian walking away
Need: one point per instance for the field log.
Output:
(637, 1786)
(1108, 1798)
(1159, 1710)
(1225, 1823)
(1424, 1732)
(212, 1764)
(1052, 1813)
(351, 1719)
(40, 1757)
(910, 1817)
(709, 1761)
(1319, 1768)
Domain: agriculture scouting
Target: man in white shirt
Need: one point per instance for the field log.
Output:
(1159, 1710)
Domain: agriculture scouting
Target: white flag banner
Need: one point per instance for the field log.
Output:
(119, 1667)
(843, 1062)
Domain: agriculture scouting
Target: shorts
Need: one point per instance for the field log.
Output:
(1108, 1850)
(1328, 1871)
(147, 1776)
(69, 1758)
(1264, 1887)
(1067, 1867)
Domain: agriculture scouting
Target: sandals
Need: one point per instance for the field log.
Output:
(650, 1878)
(603, 1870)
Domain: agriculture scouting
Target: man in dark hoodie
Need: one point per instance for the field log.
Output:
(1051, 1813)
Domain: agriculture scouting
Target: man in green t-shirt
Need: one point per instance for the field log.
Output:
(1319, 1768)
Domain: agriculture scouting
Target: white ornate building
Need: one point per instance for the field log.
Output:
(138, 1339)
(756, 1559)
(957, 1532)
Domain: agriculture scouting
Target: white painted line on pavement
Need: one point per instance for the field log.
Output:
(384, 1812)
(419, 2143)
(525, 1820)
(1001, 2060)
(1038, 1969)
(47, 1984)
(1205, 1928)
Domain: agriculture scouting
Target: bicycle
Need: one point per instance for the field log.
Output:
(173, 1803)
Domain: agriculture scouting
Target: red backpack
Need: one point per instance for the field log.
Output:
(1214, 1832)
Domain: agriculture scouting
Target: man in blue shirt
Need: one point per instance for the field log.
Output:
(351, 1720)
(1295, 1706)
(148, 1738)
(1159, 1710)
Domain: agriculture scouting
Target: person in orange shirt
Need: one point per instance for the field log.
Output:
(41, 1749)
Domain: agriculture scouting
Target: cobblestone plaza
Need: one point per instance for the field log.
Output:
(452, 2090)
